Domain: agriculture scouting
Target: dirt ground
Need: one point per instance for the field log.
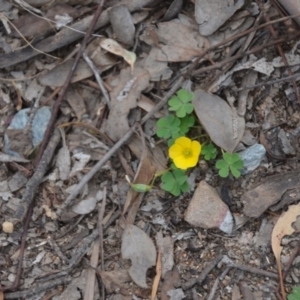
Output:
(91, 204)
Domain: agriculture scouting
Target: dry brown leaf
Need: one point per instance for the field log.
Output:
(114, 47)
(1, 295)
(58, 75)
(224, 127)
(124, 98)
(282, 228)
(89, 291)
(139, 248)
(114, 280)
(157, 277)
(178, 42)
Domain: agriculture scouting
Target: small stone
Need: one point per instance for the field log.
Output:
(252, 157)
(8, 227)
(207, 210)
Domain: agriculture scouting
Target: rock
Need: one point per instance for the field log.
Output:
(207, 210)
(18, 140)
(252, 157)
(210, 15)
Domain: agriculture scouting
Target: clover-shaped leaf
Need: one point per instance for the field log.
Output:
(175, 182)
(295, 295)
(209, 151)
(230, 163)
(167, 127)
(181, 103)
(185, 124)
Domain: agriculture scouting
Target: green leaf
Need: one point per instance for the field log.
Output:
(141, 188)
(175, 182)
(168, 126)
(185, 124)
(180, 176)
(224, 172)
(221, 164)
(238, 164)
(209, 151)
(185, 96)
(181, 103)
(184, 187)
(236, 173)
(228, 158)
(295, 295)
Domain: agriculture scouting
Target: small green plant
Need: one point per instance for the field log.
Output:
(181, 103)
(295, 295)
(168, 127)
(230, 163)
(209, 151)
(175, 182)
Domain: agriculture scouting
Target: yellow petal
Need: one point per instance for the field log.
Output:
(175, 151)
(180, 162)
(196, 148)
(184, 142)
(191, 161)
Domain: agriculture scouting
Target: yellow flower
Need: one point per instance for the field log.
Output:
(185, 153)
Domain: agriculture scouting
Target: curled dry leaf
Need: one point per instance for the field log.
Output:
(282, 228)
(114, 47)
(224, 127)
(139, 248)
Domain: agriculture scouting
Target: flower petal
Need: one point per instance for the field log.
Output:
(180, 162)
(175, 151)
(191, 161)
(196, 148)
(184, 142)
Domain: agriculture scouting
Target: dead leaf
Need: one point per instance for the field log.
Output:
(282, 228)
(58, 75)
(124, 98)
(172, 280)
(122, 24)
(166, 247)
(157, 277)
(257, 200)
(177, 41)
(114, 47)
(114, 280)
(85, 206)
(223, 126)
(139, 248)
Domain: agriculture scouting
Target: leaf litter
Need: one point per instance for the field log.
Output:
(139, 56)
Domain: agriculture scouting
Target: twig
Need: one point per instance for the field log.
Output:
(270, 82)
(66, 84)
(235, 57)
(100, 229)
(208, 268)
(56, 248)
(279, 48)
(216, 283)
(117, 145)
(98, 78)
(41, 288)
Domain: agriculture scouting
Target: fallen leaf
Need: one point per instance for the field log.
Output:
(157, 277)
(282, 228)
(85, 206)
(224, 127)
(114, 280)
(124, 98)
(58, 75)
(268, 193)
(166, 247)
(139, 248)
(177, 41)
(114, 47)
(122, 24)
(171, 280)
